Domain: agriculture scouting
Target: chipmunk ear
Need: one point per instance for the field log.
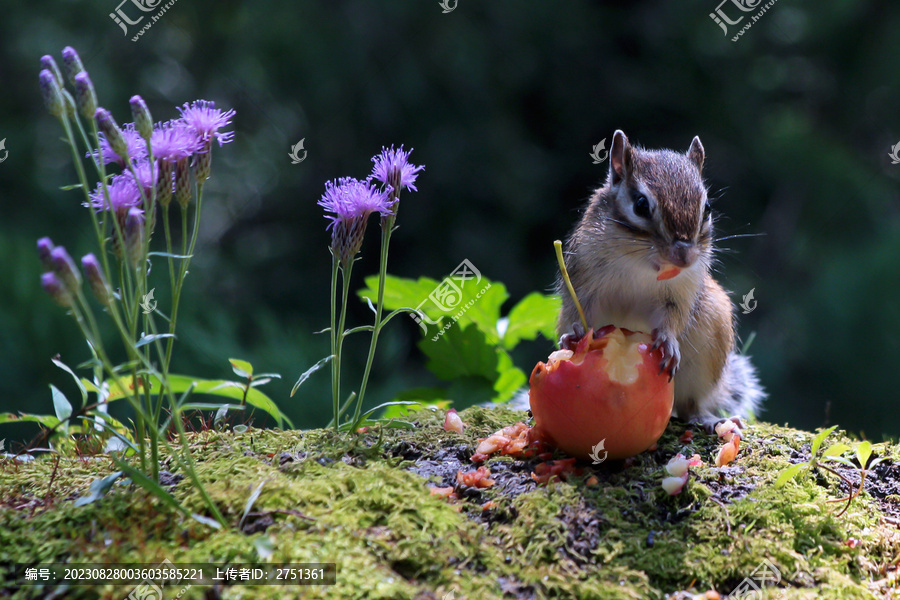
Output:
(619, 157)
(696, 153)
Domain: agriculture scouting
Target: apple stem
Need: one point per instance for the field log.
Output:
(565, 273)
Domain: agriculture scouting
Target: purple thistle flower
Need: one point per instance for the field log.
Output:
(173, 140)
(205, 119)
(49, 64)
(134, 235)
(392, 168)
(85, 95)
(55, 288)
(137, 147)
(351, 201)
(123, 195)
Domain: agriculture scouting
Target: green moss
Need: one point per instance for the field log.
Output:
(327, 498)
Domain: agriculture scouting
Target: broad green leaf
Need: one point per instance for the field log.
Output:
(61, 405)
(309, 372)
(99, 488)
(241, 368)
(118, 388)
(460, 352)
(366, 414)
(226, 389)
(835, 450)
(535, 314)
(863, 452)
(510, 379)
(788, 474)
(817, 441)
(478, 303)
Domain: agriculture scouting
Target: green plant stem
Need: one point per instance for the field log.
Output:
(336, 361)
(379, 306)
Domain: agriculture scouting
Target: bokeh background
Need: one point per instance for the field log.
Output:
(502, 101)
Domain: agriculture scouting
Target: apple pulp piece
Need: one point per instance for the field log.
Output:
(668, 273)
(609, 389)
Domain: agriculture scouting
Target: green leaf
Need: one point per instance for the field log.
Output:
(460, 352)
(138, 477)
(169, 255)
(226, 389)
(61, 405)
(535, 314)
(48, 421)
(510, 378)
(99, 488)
(147, 339)
(478, 303)
(264, 546)
(788, 474)
(251, 501)
(817, 441)
(77, 379)
(366, 414)
(240, 428)
(309, 372)
(241, 368)
(424, 397)
(863, 452)
(206, 521)
(835, 450)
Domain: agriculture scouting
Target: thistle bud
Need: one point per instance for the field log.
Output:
(143, 122)
(110, 129)
(183, 182)
(97, 281)
(49, 64)
(64, 267)
(164, 183)
(51, 93)
(68, 103)
(203, 162)
(134, 236)
(85, 96)
(45, 248)
(72, 62)
(55, 288)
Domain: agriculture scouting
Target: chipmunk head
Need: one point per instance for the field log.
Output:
(658, 196)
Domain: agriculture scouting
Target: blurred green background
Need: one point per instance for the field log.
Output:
(502, 101)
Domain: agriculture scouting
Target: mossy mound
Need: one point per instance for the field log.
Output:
(363, 502)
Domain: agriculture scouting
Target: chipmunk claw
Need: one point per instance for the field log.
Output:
(709, 424)
(568, 341)
(670, 350)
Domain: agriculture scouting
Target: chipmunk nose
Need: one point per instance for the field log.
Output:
(682, 253)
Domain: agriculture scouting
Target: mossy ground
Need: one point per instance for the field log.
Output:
(364, 504)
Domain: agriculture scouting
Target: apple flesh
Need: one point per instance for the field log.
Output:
(609, 389)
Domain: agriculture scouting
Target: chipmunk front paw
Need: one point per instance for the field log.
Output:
(568, 341)
(670, 349)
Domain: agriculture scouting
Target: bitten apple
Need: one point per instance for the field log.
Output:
(608, 389)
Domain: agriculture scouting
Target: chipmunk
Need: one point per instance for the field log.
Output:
(640, 259)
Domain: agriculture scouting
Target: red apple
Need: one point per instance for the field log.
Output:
(608, 389)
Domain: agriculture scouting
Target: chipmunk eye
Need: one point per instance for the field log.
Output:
(707, 210)
(642, 207)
